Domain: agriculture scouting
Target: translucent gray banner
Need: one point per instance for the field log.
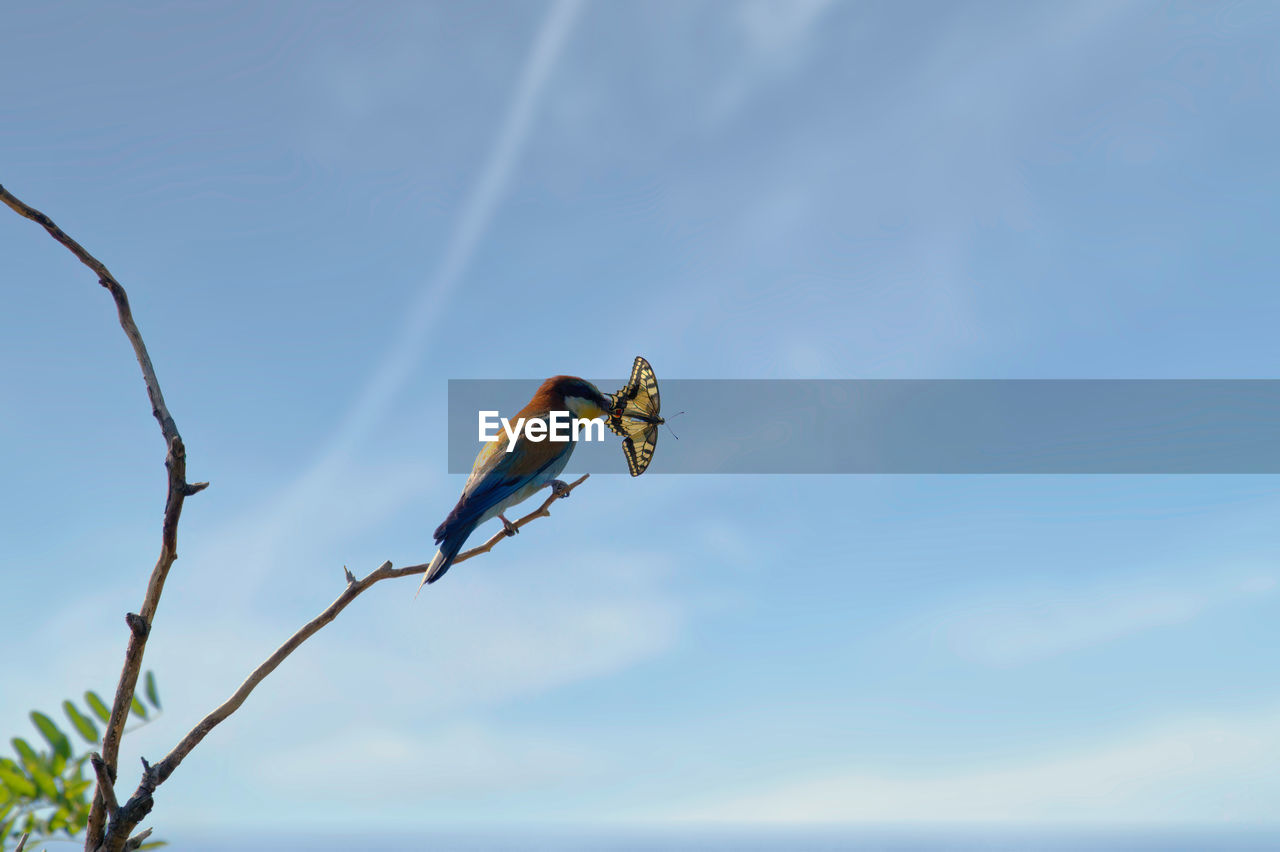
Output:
(925, 426)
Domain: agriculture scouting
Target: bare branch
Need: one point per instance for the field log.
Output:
(106, 279)
(139, 805)
(353, 590)
(22, 842)
(176, 464)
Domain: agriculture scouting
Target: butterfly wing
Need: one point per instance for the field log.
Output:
(638, 445)
(628, 392)
(640, 396)
(649, 387)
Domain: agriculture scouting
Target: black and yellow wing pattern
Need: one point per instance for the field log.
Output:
(636, 416)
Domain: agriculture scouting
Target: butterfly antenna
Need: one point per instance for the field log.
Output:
(668, 425)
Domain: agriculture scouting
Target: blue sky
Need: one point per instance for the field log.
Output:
(323, 212)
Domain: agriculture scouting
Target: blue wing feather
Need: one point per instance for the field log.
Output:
(497, 478)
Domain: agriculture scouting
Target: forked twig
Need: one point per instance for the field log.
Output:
(353, 590)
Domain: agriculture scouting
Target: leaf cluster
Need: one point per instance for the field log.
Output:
(46, 789)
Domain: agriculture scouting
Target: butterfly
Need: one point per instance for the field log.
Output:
(635, 416)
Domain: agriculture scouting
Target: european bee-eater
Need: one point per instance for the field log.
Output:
(501, 479)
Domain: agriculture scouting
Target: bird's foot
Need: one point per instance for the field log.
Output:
(507, 527)
(560, 488)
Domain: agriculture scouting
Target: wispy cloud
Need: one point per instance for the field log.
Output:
(779, 27)
(1193, 771)
(1032, 624)
(302, 527)
(777, 36)
(455, 760)
(504, 634)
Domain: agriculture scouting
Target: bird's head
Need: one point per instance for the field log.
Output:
(575, 395)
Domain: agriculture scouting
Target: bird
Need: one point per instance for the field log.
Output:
(501, 479)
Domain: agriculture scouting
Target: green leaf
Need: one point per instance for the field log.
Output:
(44, 781)
(154, 844)
(56, 739)
(60, 819)
(97, 706)
(26, 752)
(153, 694)
(76, 787)
(12, 776)
(80, 722)
(138, 708)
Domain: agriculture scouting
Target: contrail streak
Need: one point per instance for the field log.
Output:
(477, 213)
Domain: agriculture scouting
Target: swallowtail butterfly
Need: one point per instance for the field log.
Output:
(636, 416)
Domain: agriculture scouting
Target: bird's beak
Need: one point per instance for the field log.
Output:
(595, 411)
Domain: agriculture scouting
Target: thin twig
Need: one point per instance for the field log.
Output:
(106, 784)
(22, 841)
(179, 489)
(139, 838)
(353, 590)
(167, 427)
(140, 803)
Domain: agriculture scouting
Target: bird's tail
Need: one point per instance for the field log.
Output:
(450, 546)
